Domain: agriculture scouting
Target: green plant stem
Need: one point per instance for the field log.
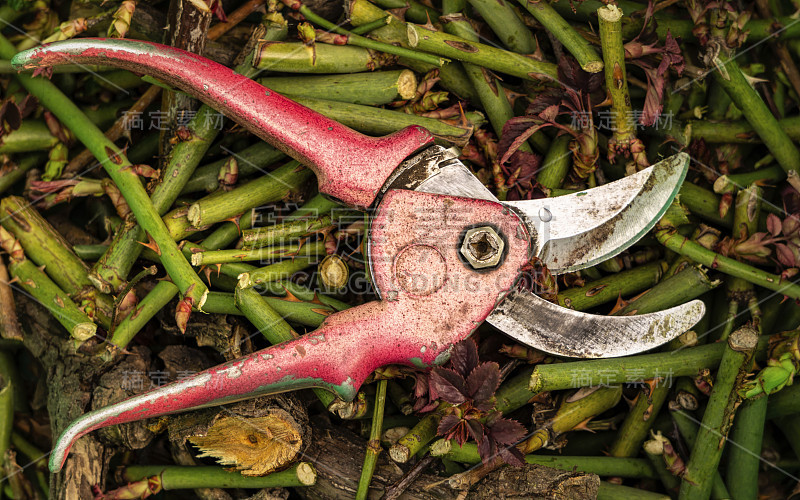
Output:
(686, 362)
(294, 311)
(719, 413)
(374, 443)
(610, 287)
(556, 164)
(366, 28)
(268, 322)
(295, 57)
(251, 160)
(449, 46)
(602, 466)
(39, 286)
(24, 164)
(417, 12)
(758, 115)
(578, 46)
(46, 247)
(303, 293)
(209, 257)
(683, 246)
(360, 41)
(369, 89)
(220, 206)
(687, 284)
(655, 456)
(7, 389)
(32, 135)
(176, 477)
(506, 24)
(704, 204)
(733, 182)
(611, 491)
(744, 458)
(274, 272)
(416, 439)
(118, 168)
(784, 402)
(285, 232)
(453, 77)
(610, 18)
(377, 121)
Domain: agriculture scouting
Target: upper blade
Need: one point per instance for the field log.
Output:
(582, 229)
(565, 332)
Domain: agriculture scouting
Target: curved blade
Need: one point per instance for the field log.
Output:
(582, 229)
(566, 332)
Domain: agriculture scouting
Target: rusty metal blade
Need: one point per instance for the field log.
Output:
(583, 229)
(566, 332)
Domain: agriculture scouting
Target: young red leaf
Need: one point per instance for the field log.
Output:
(790, 225)
(785, 255)
(507, 431)
(449, 385)
(512, 456)
(774, 225)
(464, 357)
(483, 381)
(447, 424)
(475, 428)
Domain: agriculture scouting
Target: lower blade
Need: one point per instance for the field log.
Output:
(565, 332)
(583, 229)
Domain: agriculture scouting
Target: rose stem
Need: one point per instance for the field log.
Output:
(718, 416)
(506, 24)
(46, 247)
(251, 160)
(9, 324)
(39, 286)
(689, 283)
(296, 57)
(32, 135)
(667, 235)
(686, 362)
(210, 257)
(175, 477)
(374, 443)
(609, 288)
(452, 47)
(578, 46)
(368, 89)
(360, 41)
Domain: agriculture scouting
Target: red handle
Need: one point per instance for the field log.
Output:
(349, 166)
(338, 356)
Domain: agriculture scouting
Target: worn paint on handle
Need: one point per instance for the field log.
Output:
(350, 166)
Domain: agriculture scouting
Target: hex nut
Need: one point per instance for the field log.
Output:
(482, 247)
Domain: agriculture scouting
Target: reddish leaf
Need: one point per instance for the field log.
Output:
(790, 225)
(449, 386)
(475, 428)
(487, 450)
(483, 381)
(464, 357)
(512, 456)
(774, 225)
(507, 431)
(785, 255)
(447, 424)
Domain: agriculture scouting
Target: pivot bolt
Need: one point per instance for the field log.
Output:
(482, 247)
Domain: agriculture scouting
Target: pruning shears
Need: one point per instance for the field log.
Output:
(444, 254)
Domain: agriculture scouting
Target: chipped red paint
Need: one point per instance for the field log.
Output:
(350, 166)
(403, 328)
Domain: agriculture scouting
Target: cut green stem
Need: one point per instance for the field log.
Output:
(374, 443)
